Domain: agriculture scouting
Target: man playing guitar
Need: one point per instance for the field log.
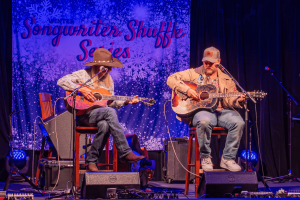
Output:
(105, 118)
(224, 116)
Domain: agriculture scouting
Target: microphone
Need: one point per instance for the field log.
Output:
(102, 69)
(218, 65)
(268, 69)
(221, 67)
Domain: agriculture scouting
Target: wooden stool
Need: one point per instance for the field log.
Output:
(193, 134)
(93, 130)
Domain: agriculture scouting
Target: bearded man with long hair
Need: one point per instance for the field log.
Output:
(105, 118)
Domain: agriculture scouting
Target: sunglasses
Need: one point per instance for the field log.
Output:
(208, 63)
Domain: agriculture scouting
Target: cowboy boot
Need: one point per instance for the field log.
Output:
(92, 167)
(131, 157)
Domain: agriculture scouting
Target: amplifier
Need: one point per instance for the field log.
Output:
(64, 134)
(95, 184)
(216, 184)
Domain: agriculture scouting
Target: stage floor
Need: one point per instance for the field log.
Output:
(159, 186)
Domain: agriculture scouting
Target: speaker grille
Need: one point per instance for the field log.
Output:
(107, 178)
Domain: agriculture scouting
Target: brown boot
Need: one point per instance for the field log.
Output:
(92, 168)
(131, 157)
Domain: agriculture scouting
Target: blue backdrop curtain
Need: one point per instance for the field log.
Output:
(5, 80)
(53, 38)
(252, 34)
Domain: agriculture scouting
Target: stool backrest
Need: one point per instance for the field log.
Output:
(46, 105)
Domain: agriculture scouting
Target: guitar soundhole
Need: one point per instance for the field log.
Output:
(98, 96)
(204, 95)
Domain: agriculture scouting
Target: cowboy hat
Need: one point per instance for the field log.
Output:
(104, 57)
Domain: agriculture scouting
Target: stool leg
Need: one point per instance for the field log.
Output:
(77, 161)
(37, 175)
(188, 167)
(197, 166)
(107, 154)
(115, 158)
(218, 151)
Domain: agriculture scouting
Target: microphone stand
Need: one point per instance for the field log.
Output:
(223, 69)
(74, 94)
(250, 144)
(290, 175)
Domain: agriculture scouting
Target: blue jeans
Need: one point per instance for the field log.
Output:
(107, 122)
(229, 119)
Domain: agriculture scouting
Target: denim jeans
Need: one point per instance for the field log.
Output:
(229, 119)
(107, 122)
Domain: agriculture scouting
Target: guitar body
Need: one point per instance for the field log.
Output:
(82, 105)
(186, 107)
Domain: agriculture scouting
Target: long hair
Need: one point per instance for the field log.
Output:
(106, 80)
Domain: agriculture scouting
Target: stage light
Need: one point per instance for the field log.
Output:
(252, 159)
(253, 156)
(19, 158)
(18, 154)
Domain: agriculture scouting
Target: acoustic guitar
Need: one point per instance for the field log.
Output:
(185, 107)
(83, 105)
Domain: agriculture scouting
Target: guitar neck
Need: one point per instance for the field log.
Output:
(119, 98)
(223, 95)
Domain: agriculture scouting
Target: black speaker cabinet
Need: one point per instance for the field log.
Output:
(64, 134)
(95, 184)
(172, 170)
(216, 184)
(49, 174)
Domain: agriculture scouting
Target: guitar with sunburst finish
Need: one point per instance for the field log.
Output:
(185, 106)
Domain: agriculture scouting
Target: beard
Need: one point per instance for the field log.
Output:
(105, 78)
(210, 71)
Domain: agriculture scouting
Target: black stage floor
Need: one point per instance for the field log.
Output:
(158, 186)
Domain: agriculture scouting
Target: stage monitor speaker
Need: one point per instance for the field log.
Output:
(216, 184)
(95, 184)
(64, 134)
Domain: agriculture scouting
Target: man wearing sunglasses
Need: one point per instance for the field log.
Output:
(225, 115)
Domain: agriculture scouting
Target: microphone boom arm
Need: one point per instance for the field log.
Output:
(66, 97)
(223, 69)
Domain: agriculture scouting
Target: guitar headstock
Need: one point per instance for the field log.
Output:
(258, 94)
(148, 102)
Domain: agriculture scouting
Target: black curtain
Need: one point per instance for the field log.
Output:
(5, 79)
(253, 34)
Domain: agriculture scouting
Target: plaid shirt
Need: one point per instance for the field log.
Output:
(215, 82)
(68, 82)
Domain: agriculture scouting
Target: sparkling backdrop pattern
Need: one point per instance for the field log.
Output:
(52, 38)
